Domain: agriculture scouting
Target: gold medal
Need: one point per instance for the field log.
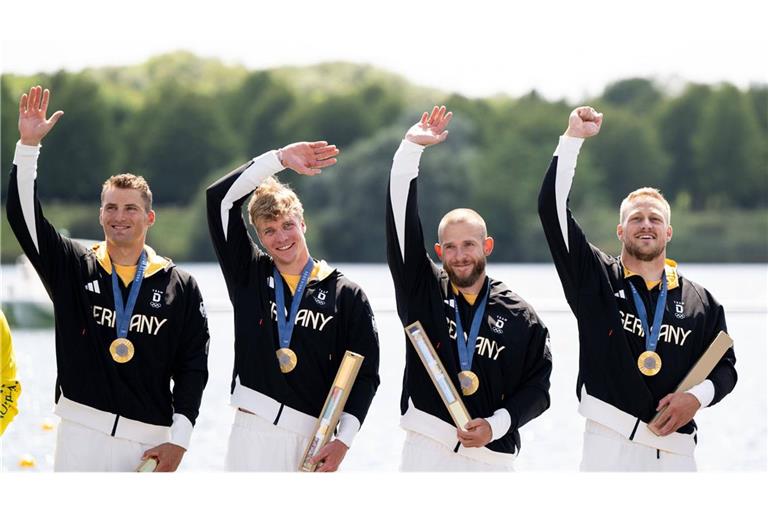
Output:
(287, 359)
(122, 350)
(649, 363)
(469, 382)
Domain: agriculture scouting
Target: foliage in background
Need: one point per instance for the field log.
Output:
(182, 121)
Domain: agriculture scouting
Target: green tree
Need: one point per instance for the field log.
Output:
(677, 123)
(342, 119)
(637, 94)
(729, 152)
(255, 110)
(628, 154)
(175, 141)
(79, 152)
(758, 95)
(508, 171)
(9, 108)
(200, 245)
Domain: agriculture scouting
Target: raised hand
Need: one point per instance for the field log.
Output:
(308, 157)
(431, 129)
(33, 125)
(584, 122)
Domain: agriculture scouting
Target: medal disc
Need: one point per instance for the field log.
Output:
(287, 359)
(469, 382)
(122, 350)
(649, 363)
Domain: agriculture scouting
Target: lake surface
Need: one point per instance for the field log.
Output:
(732, 435)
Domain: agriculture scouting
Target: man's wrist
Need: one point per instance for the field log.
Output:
(571, 133)
(704, 393)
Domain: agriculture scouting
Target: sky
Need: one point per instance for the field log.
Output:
(562, 49)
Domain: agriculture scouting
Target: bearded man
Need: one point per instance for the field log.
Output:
(501, 363)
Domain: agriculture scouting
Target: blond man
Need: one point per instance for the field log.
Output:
(295, 316)
(642, 325)
(131, 332)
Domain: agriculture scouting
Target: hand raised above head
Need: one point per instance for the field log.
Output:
(33, 125)
(431, 129)
(308, 157)
(584, 122)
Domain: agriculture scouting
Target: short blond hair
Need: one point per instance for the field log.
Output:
(460, 215)
(645, 192)
(132, 182)
(272, 200)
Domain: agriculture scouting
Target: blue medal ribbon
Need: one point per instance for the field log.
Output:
(652, 334)
(466, 345)
(285, 325)
(124, 313)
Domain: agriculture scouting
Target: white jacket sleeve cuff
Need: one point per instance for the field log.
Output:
(348, 428)
(181, 431)
(406, 160)
(263, 167)
(568, 147)
(500, 423)
(704, 393)
(25, 160)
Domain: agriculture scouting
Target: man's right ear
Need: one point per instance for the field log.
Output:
(439, 251)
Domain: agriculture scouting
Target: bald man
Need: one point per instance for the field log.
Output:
(490, 341)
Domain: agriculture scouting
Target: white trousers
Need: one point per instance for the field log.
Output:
(255, 444)
(607, 450)
(79, 448)
(421, 453)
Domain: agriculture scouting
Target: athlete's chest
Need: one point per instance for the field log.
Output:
(147, 308)
(680, 319)
(497, 337)
(312, 311)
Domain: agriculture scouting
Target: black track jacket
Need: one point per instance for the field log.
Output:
(168, 329)
(334, 315)
(598, 293)
(512, 358)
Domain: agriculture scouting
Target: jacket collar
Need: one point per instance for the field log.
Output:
(320, 271)
(670, 267)
(155, 262)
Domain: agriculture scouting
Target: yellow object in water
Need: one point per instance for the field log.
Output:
(27, 461)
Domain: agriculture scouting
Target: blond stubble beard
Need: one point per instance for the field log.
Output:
(633, 250)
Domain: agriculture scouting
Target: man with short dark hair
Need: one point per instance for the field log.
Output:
(642, 325)
(131, 332)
